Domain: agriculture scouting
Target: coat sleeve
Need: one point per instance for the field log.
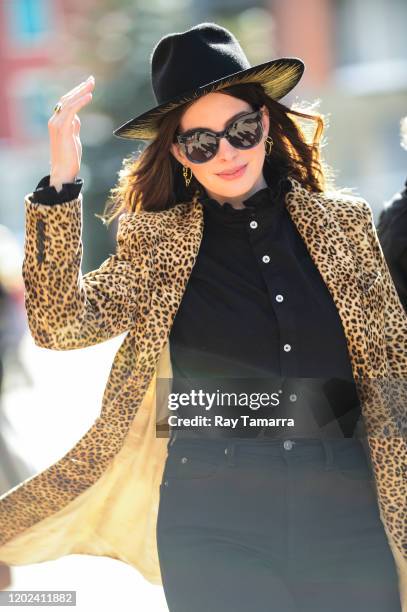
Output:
(394, 485)
(65, 309)
(395, 315)
(394, 385)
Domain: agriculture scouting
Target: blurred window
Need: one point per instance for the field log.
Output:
(28, 20)
(33, 97)
(36, 109)
(370, 30)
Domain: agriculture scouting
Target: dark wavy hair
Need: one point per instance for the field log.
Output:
(153, 179)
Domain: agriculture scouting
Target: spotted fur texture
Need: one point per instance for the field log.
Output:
(115, 468)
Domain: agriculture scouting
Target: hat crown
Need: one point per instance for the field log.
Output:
(206, 58)
(205, 53)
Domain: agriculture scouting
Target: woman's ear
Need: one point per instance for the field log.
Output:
(266, 119)
(175, 151)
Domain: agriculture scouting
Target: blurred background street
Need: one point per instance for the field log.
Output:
(356, 75)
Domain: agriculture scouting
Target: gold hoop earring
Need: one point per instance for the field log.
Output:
(187, 178)
(268, 144)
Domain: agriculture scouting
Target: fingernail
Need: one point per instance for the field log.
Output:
(91, 78)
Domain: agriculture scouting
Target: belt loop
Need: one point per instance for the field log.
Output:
(230, 453)
(329, 458)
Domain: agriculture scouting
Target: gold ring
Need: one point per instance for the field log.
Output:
(58, 107)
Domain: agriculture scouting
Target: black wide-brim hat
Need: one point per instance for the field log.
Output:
(204, 59)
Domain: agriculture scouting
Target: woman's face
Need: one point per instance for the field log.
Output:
(214, 111)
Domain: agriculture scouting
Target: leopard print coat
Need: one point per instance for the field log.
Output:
(101, 497)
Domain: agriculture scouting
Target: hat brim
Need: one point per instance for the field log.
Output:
(278, 78)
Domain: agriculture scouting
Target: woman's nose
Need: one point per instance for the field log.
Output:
(226, 150)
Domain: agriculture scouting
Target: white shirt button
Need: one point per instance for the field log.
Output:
(279, 298)
(293, 397)
(253, 224)
(287, 347)
(266, 258)
(288, 444)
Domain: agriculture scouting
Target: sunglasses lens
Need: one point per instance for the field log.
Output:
(200, 147)
(246, 133)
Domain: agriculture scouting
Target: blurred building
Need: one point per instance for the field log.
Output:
(354, 50)
(32, 34)
(356, 60)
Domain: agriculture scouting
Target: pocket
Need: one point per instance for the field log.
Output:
(189, 464)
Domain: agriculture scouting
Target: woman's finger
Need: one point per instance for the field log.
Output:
(65, 116)
(69, 98)
(75, 105)
(77, 90)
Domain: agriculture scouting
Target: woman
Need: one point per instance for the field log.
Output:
(278, 517)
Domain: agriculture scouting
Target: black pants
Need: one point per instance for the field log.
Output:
(273, 526)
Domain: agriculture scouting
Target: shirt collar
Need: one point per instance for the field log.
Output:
(266, 202)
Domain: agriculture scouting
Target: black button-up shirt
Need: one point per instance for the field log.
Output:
(256, 317)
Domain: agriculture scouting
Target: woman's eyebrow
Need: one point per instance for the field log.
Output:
(227, 122)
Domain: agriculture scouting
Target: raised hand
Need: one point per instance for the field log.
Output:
(64, 127)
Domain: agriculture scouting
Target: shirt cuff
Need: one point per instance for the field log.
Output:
(44, 194)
